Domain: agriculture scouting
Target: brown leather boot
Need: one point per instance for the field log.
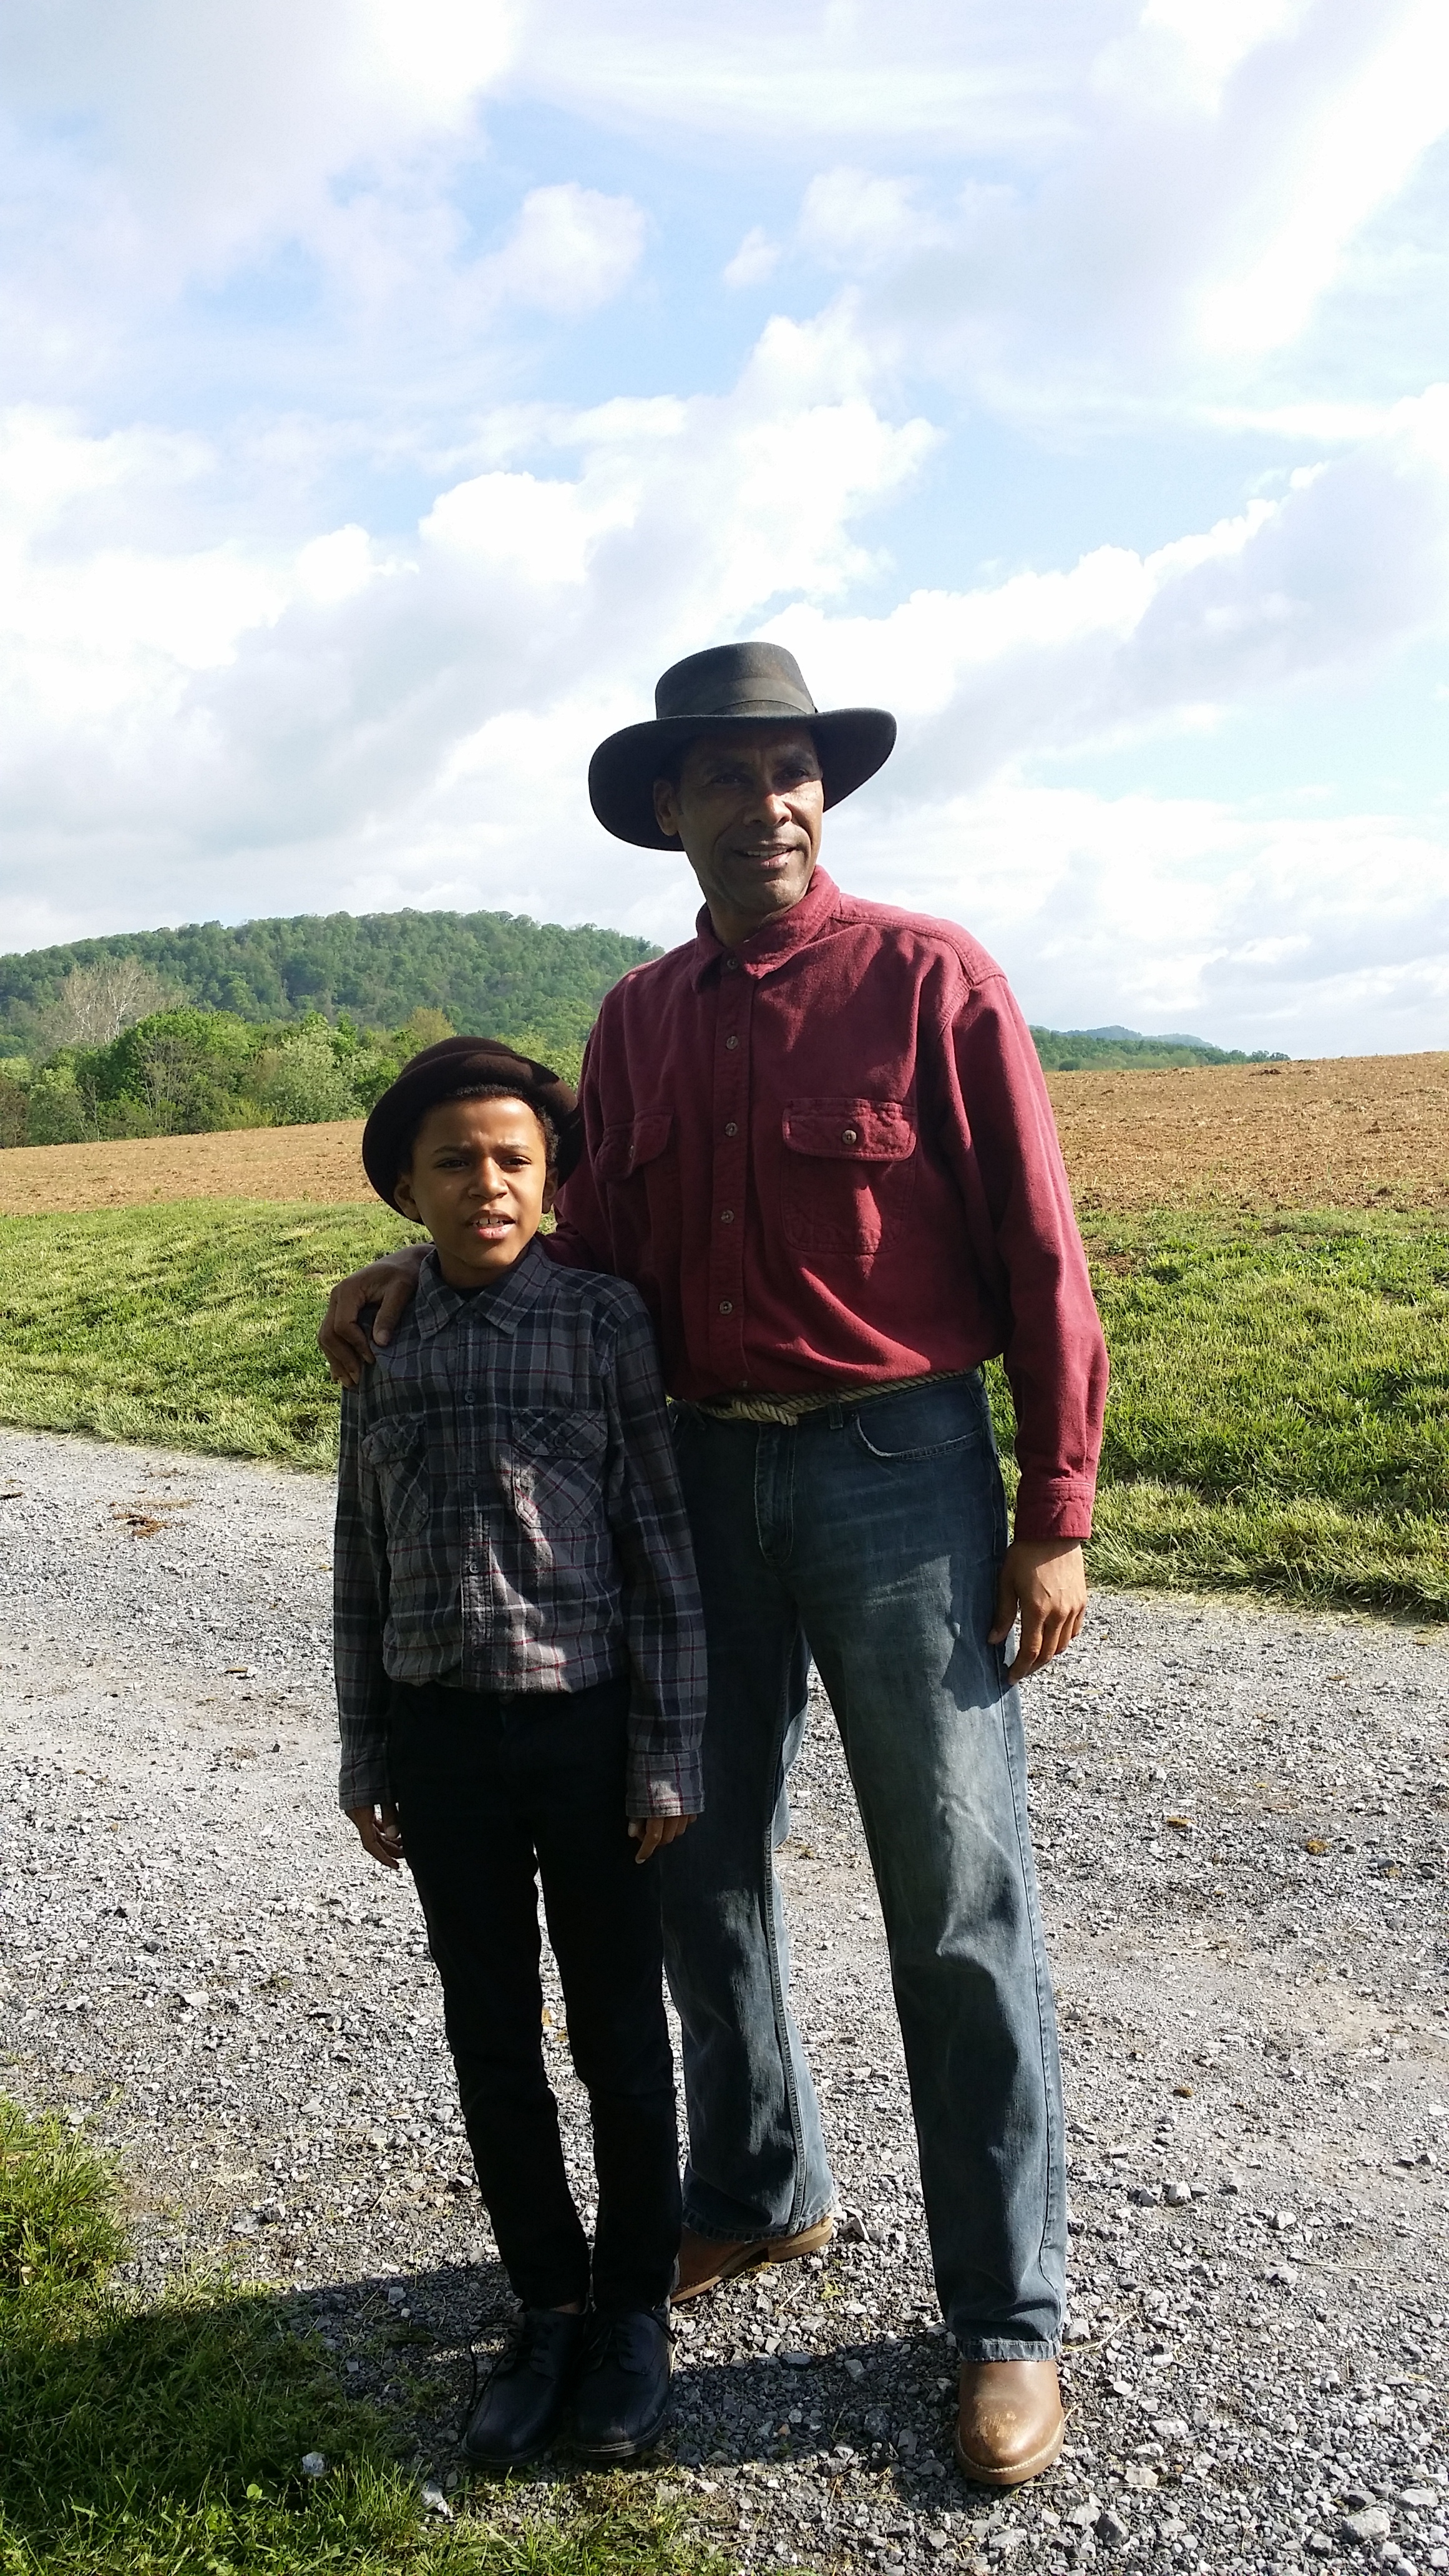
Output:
(1010, 2424)
(705, 2261)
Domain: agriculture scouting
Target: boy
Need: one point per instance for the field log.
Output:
(520, 1682)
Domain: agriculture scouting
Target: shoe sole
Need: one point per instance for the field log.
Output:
(757, 2258)
(616, 2451)
(1021, 2471)
(514, 2459)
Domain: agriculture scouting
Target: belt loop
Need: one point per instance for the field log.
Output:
(835, 1416)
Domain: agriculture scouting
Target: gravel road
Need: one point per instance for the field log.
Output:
(1242, 1822)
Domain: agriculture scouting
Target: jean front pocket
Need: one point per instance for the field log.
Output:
(556, 1469)
(929, 1421)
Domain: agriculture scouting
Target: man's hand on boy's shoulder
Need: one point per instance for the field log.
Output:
(652, 1831)
(389, 1284)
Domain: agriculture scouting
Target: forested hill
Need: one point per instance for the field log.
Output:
(489, 971)
(496, 972)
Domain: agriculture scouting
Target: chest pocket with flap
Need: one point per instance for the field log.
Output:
(849, 1172)
(397, 1454)
(556, 1469)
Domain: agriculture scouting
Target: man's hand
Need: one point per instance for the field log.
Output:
(379, 1831)
(655, 1830)
(1043, 1581)
(388, 1285)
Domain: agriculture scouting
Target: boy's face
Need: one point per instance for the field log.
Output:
(479, 1181)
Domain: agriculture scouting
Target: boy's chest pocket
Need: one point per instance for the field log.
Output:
(556, 1469)
(398, 1456)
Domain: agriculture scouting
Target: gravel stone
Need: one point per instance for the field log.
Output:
(200, 1965)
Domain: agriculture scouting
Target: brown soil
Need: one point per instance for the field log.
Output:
(1345, 1131)
(323, 1164)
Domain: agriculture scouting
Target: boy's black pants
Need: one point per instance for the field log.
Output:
(489, 1790)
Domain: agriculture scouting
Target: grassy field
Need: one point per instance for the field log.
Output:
(195, 1324)
(166, 2438)
(1279, 1414)
(1279, 1418)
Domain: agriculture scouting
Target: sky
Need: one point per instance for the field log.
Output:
(391, 389)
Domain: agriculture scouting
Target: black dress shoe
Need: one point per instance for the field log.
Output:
(527, 2390)
(623, 2389)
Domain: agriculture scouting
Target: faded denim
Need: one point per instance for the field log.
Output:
(875, 1532)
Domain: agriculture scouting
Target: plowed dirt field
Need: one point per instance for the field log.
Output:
(1343, 1131)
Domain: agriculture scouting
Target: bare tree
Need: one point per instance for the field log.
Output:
(96, 1002)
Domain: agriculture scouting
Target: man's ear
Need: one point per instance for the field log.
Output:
(402, 1190)
(666, 807)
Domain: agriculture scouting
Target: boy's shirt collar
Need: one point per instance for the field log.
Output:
(503, 1306)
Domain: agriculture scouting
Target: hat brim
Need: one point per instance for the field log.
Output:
(852, 743)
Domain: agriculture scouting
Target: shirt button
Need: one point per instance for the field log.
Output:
(850, 1135)
(730, 1128)
(731, 1042)
(726, 1305)
(726, 1216)
(732, 965)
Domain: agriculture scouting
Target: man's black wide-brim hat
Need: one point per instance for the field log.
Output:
(732, 684)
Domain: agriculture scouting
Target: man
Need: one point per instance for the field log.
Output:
(818, 1141)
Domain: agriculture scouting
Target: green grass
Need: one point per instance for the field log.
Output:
(166, 2438)
(193, 1324)
(1279, 1418)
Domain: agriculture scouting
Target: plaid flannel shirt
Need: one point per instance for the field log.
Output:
(509, 1519)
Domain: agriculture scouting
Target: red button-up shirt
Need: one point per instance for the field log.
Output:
(828, 1160)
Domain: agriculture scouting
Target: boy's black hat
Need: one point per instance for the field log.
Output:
(440, 1073)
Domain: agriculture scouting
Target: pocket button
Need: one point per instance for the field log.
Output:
(850, 1135)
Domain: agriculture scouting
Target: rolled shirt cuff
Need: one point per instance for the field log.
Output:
(655, 1788)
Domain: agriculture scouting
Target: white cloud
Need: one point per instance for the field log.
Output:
(756, 259)
(1358, 153)
(1316, 936)
(357, 717)
(853, 220)
(1351, 561)
(324, 565)
(570, 250)
(221, 129)
(413, 724)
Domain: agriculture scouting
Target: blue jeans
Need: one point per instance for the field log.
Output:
(874, 1531)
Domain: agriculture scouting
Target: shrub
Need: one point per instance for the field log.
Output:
(56, 1112)
(302, 1081)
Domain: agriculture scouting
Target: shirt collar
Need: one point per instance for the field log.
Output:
(505, 1306)
(776, 939)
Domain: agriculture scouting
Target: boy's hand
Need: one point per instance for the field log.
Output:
(379, 1832)
(389, 1285)
(655, 1830)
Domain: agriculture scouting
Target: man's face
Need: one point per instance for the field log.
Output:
(748, 811)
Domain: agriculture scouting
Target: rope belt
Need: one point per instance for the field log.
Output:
(788, 1409)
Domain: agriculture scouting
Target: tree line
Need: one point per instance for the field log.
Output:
(279, 1023)
(289, 1022)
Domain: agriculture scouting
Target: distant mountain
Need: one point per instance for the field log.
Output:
(1118, 1050)
(1168, 1037)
